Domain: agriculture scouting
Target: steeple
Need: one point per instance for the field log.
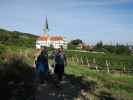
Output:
(46, 29)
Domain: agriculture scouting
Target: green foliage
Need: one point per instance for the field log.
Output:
(113, 83)
(121, 49)
(116, 49)
(16, 79)
(17, 38)
(116, 61)
(99, 46)
(2, 50)
(109, 48)
(71, 46)
(76, 42)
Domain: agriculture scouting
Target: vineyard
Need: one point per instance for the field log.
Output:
(102, 61)
(91, 72)
(114, 72)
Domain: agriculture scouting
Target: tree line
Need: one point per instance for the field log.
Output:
(100, 47)
(115, 49)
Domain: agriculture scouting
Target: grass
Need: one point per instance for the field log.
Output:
(116, 61)
(116, 84)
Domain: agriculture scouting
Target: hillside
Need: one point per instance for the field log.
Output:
(80, 82)
(11, 38)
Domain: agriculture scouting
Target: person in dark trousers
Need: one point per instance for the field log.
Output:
(42, 64)
(60, 61)
(53, 57)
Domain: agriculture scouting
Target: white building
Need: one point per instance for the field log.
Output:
(48, 41)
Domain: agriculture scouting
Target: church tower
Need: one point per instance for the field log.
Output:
(46, 40)
(45, 31)
(46, 28)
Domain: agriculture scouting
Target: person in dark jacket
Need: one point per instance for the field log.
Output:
(60, 61)
(42, 64)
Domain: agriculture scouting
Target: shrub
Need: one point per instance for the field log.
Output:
(16, 79)
(2, 49)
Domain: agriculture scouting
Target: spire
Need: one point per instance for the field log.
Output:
(46, 29)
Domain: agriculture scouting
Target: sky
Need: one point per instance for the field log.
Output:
(110, 21)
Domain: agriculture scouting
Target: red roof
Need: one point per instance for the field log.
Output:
(56, 38)
(43, 38)
(52, 38)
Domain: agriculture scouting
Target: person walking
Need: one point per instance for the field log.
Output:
(60, 61)
(42, 64)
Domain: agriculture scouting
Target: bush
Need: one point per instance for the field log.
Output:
(16, 79)
(2, 49)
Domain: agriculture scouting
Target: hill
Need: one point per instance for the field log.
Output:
(15, 38)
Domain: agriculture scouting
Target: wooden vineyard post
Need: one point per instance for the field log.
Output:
(107, 64)
(88, 64)
(81, 60)
(124, 69)
(68, 60)
(97, 68)
(94, 62)
(77, 60)
(72, 59)
(86, 60)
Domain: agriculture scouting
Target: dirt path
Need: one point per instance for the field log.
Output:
(50, 91)
(70, 89)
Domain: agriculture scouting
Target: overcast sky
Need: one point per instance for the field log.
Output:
(90, 20)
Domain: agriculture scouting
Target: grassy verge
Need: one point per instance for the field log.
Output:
(116, 61)
(118, 85)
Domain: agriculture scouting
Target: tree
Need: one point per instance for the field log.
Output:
(71, 46)
(121, 49)
(116, 49)
(99, 46)
(76, 42)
